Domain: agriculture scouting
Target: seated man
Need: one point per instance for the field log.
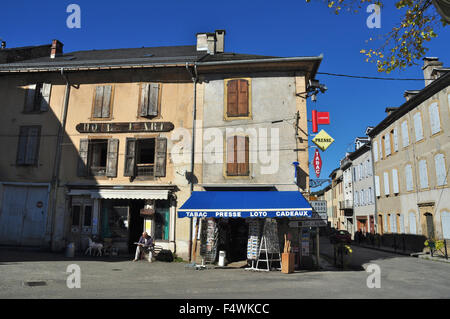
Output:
(145, 243)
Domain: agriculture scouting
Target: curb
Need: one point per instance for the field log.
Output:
(385, 250)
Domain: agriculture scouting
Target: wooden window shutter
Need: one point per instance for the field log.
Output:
(153, 99)
(98, 102)
(106, 101)
(111, 162)
(32, 145)
(232, 165)
(242, 143)
(22, 146)
(232, 98)
(243, 98)
(130, 158)
(143, 107)
(45, 96)
(82, 169)
(30, 98)
(160, 156)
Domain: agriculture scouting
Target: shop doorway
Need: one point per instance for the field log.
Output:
(429, 224)
(237, 239)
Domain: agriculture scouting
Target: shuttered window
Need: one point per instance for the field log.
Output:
(238, 98)
(98, 157)
(356, 198)
(418, 126)
(412, 223)
(386, 229)
(102, 102)
(145, 157)
(405, 134)
(408, 178)
(445, 220)
(386, 183)
(375, 151)
(393, 220)
(28, 145)
(377, 186)
(423, 174)
(395, 139)
(370, 195)
(149, 99)
(441, 172)
(387, 144)
(401, 221)
(37, 97)
(238, 156)
(395, 181)
(435, 122)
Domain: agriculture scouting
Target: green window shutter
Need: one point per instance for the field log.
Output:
(130, 158)
(111, 162)
(82, 169)
(160, 156)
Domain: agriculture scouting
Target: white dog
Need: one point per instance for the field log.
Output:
(94, 246)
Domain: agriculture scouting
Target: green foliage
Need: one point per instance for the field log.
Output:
(406, 43)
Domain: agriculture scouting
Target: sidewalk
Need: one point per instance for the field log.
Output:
(385, 249)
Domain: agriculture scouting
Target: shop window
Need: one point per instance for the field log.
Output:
(37, 97)
(76, 214)
(98, 157)
(162, 222)
(146, 157)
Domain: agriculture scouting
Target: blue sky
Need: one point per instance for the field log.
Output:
(282, 28)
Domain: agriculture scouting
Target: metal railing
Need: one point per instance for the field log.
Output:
(145, 169)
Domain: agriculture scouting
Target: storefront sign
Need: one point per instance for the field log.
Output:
(320, 206)
(246, 214)
(317, 163)
(319, 118)
(323, 140)
(125, 127)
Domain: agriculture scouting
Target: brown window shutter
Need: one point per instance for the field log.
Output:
(243, 98)
(106, 101)
(232, 165)
(153, 99)
(243, 156)
(111, 161)
(160, 156)
(30, 98)
(232, 98)
(98, 102)
(83, 158)
(45, 97)
(130, 158)
(22, 146)
(143, 107)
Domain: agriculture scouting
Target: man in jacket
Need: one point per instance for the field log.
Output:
(145, 243)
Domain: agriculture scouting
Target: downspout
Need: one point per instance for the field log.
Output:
(194, 76)
(56, 168)
(375, 217)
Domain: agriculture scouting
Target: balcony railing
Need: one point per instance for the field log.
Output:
(145, 169)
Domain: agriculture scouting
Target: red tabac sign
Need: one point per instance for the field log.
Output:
(317, 163)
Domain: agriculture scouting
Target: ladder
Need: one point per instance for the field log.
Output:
(263, 249)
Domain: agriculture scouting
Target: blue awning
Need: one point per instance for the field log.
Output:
(234, 204)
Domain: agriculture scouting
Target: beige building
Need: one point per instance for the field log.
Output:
(337, 186)
(411, 149)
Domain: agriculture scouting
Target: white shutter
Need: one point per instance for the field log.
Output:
(423, 174)
(356, 198)
(370, 195)
(445, 220)
(395, 181)
(408, 177)
(387, 144)
(439, 161)
(45, 96)
(395, 136)
(393, 223)
(418, 126)
(412, 223)
(377, 186)
(386, 183)
(381, 149)
(435, 122)
(402, 223)
(405, 134)
(375, 151)
(385, 217)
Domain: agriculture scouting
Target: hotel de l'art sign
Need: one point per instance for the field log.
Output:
(125, 127)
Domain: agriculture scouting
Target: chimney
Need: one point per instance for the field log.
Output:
(3, 44)
(57, 49)
(220, 41)
(429, 63)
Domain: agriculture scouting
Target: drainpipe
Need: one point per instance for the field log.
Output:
(56, 168)
(375, 217)
(194, 76)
